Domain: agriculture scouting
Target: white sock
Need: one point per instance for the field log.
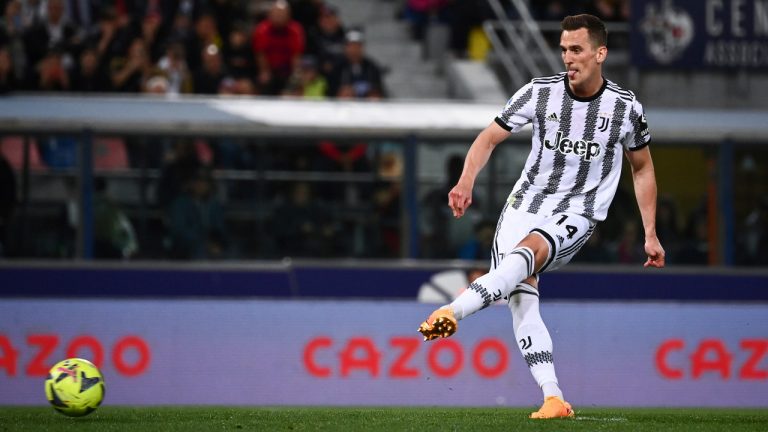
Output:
(496, 284)
(533, 339)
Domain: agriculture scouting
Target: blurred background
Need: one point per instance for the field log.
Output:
(302, 191)
(154, 150)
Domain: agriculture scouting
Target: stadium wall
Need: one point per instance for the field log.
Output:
(299, 352)
(396, 279)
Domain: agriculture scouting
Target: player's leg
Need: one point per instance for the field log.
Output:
(509, 266)
(535, 345)
(515, 266)
(534, 340)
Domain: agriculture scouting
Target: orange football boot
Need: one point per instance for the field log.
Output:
(554, 407)
(441, 323)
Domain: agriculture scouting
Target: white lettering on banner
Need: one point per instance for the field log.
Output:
(736, 53)
(761, 18)
(714, 26)
(737, 18)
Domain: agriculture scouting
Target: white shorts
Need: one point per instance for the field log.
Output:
(565, 233)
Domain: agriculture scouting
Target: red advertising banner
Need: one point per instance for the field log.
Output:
(280, 352)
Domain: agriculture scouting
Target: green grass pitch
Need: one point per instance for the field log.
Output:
(112, 418)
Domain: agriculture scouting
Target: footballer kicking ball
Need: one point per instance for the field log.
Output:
(75, 387)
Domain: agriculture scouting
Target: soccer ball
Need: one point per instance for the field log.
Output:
(74, 387)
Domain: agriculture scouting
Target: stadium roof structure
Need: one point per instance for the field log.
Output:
(440, 119)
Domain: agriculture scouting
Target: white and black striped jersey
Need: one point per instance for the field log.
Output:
(575, 160)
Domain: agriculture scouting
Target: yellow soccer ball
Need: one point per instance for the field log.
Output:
(75, 387)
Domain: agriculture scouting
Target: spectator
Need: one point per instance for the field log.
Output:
(7, 77)
(210, 76)
(307, 82)
(206, 33)
(110, 37)
(182, 32)
(357, 76)
(182, 164)
(113, 234)
(238, 55)
(7, 202)
(340, 157)
(306, 12)
(12, 38)
(326, 39)
(387, 197)
(229, 152)
(695, 246)
(90, 76)
(303, 227)
(150, 33)
(82, 14)
(129, 74)
(277, 42)
(629, 250)
(157, 85)
(196, 221)
(438, 225)
(174, 67)
(237, 87)
(51, 73)
(227, 12)
(53, 31)
(420, 12)
(607, 10)
(32, 11)
(464, 17)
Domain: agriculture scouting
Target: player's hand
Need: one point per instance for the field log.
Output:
(459, 199)
(655, 253)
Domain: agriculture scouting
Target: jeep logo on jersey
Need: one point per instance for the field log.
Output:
(587, 150)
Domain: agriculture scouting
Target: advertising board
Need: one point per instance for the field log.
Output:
(281, 352)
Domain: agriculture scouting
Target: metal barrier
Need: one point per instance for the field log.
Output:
(408, 124)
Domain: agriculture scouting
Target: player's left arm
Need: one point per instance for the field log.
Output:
(644, 179)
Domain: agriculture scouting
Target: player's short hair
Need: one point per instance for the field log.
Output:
(595, 27)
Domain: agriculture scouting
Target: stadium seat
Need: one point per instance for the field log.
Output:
(204, 151)
(109, 153)
(59, 152)
(12, 149)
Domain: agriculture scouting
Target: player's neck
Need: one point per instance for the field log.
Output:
(589, 88)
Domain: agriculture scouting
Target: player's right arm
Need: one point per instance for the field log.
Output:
(518, 112)
(460, 197)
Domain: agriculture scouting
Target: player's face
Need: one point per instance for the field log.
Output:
(581, 58)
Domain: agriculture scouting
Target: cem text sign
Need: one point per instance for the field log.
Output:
(691, 34)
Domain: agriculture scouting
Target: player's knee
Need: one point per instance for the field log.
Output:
(538, 246)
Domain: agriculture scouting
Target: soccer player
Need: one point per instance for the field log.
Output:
(582, 123)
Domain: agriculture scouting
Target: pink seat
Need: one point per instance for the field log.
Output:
(12, 149)
(109, 154)
(204, 151)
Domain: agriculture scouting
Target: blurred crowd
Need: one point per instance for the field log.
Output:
(259, 47)
(555, 10)
(463, 18)
(298, 48)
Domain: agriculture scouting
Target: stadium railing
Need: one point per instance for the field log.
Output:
(718, 137)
